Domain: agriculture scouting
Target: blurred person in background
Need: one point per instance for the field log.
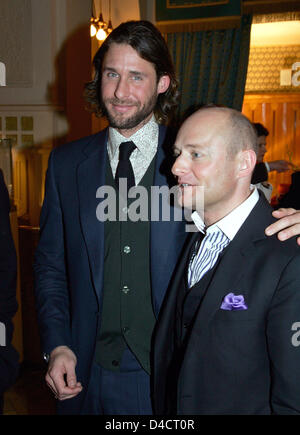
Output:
(9, 359)
(263, 168)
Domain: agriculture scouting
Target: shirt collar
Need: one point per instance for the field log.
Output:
(144, 138)
(231, 223)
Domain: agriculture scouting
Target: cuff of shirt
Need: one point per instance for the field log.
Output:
(267, 166)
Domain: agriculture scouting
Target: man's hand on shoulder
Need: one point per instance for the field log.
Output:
(287, 225)
(61, 375)
(280, 166)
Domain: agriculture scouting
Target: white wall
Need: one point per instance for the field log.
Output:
(32, 35)
(36, 44)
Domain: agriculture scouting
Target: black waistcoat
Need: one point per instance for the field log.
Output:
(127, 315)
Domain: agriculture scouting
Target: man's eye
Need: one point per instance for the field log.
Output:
(176, 153)
(112, 74)
(136, 78)
(196, 155)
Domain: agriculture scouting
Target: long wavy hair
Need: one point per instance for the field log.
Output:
(149, 43)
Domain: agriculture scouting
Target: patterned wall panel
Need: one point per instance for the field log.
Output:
(265, 64)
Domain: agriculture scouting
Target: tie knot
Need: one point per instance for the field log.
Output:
(125, 150)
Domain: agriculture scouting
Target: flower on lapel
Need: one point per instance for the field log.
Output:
(233, 302)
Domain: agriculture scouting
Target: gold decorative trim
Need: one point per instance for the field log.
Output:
(199, 24)
(268, 2)
(270, 6)
(197, 5)
(273, 18)
(270, 97)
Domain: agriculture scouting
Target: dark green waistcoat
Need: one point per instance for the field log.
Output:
(127, 313)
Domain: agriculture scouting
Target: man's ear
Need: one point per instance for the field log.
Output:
(247, 162)
(163, 84)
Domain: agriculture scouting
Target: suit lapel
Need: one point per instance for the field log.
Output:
(90, 176)
(166, 236)
(224, 279)
(174, 297)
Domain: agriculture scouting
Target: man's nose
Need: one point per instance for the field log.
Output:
(122, 89)
(179, 167)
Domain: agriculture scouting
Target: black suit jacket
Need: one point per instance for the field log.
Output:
(238, 362)
(8, 303)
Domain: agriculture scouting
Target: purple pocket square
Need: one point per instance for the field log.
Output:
(232, 302)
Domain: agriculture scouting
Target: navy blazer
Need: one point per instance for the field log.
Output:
(8, 304)
(245, 361)
(69, 259)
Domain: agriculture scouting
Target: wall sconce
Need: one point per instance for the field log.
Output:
(98, 27)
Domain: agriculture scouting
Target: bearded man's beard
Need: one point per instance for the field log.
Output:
(122, 123)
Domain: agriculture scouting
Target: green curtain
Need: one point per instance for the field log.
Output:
(211, 66)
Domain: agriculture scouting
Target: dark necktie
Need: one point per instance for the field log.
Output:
(124, 168)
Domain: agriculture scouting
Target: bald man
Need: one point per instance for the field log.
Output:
(227, 339)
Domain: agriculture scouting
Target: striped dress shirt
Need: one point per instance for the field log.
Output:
(209, 250)
(217, 237)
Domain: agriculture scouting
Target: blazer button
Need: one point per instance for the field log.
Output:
(115, 363)
(126, 249)
(185, 325)
(125, 289)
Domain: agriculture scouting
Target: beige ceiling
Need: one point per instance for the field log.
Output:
(275, 34)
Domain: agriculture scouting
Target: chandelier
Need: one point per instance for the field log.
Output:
(98, 27)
